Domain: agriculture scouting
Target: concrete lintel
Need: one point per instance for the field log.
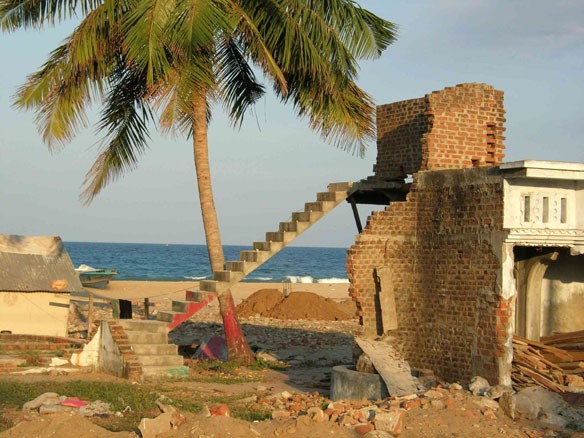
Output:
(543, 169)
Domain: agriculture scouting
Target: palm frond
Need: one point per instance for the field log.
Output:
(125, 120)
(238, 85)
(15, 14)
(145, 36)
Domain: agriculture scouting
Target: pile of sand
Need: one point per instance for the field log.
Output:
(272, 303)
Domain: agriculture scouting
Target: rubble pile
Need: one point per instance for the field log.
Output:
(51, 402)
(364, 416)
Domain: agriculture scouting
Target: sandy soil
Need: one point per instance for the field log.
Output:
(162, 291)
(291, 341)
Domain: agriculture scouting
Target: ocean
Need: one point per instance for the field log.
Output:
(173, 262)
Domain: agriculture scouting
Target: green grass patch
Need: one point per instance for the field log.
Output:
(261, 364)
(142, 402)
(247, 414)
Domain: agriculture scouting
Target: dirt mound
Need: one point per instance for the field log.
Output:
(272, 303)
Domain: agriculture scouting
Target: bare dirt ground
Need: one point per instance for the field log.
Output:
(294, 396)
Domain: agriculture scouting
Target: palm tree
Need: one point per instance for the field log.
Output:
(166, 62)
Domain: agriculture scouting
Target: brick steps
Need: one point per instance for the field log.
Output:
(145, 349)
(249, 260)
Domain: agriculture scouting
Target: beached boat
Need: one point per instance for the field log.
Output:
(92, 277)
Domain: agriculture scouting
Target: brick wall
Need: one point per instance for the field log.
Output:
(400, 129)
(454, 128)
(445, 269)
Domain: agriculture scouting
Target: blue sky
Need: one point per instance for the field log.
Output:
(531, 49)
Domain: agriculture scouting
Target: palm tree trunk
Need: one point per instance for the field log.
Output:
(237, 347)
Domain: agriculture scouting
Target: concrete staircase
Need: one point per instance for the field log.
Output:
(250, 260)
(148, 341)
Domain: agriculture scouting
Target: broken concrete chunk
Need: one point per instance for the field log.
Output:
(47, 397)
(364, 365)
(51, 409)
(152, 427)
(507, 404)
(487, 402)
(479, 385)
(390, 422)
(57, 362)
(378, 434)
(548, 407)
(393, 369)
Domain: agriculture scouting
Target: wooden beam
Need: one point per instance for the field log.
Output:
(355, 214)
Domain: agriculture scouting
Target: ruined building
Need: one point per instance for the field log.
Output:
(469, 250)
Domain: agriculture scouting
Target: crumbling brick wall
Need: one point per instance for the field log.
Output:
(441, 247)
(454, 128)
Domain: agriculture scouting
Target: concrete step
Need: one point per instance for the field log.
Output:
(307, 216)
(294, 226)
(323, 206)
(241, 266)
(155, 349)
(137, 338)
(272, 247)
(208, 285)
(254, 256)
(280, 236)
(181, 306)
(339, 186)
(142, 326)
(166, 360)
(227, 276)
(163, 372)
(167, 315)
(331, 196)
(198, 296)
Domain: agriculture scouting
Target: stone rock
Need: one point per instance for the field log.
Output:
(507, 404)
(205, 412)
(221, 410)
(96, 407)
(495, 392)
(268, 357)
(280, 413)
(433, 394)
(285, 395)
(57, 362)
(487, 403)
(176, 418)
(548, 407)
(364, 429)
(152, 427)
(378, 434)
(46, 398)
(364, 365)
(438, 404)
(455, 386)
(478, 385)
(315, 414)
(51, 409)
(390, 422)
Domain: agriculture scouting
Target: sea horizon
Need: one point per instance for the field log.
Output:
(189, 262)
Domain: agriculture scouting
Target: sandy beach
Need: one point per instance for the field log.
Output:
(165, 291)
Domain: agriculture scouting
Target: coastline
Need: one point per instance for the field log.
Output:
(163, 291)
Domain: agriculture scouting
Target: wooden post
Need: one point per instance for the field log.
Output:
(146, 308)
(356, 214)
(115, 309)
(90, 315)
